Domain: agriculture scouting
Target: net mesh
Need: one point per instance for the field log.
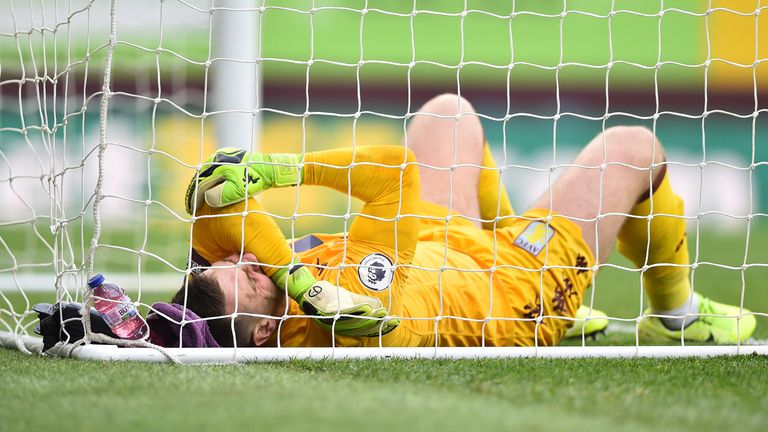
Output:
(104, 121)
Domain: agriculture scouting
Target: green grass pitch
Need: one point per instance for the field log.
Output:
(532, 394)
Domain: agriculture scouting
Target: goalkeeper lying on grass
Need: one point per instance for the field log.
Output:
(515, 280)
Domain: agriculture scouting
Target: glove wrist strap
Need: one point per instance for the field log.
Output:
(286, 169)
(295, 280)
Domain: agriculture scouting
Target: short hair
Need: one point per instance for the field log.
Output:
(204, 297)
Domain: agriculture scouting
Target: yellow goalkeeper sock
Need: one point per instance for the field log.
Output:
(668, 286)
(492, 195)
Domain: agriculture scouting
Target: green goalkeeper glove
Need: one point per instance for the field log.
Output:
(360, 315)
(231, 175)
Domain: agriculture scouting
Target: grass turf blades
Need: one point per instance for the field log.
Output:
(534, 394)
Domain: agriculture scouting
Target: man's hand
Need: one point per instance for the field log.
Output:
(369, 316)
(359, 315)
(230, 175)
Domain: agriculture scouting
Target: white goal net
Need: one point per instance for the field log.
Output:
(108, 108)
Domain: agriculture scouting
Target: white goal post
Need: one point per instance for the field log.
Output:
(108, 108)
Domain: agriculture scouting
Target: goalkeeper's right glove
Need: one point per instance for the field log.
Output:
(325, 300)
(230, 175)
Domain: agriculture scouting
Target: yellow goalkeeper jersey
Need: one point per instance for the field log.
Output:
(452, 283)
(448, 294)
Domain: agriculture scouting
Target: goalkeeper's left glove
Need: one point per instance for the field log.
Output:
(230, 175)
(359, 315)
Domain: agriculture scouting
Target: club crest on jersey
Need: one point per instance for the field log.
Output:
(376, 272)
(535, 237)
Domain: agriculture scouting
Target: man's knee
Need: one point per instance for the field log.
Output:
(448, 104)
(633, 145)
(445, 125)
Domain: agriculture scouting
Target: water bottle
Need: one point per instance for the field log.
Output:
(117, 309)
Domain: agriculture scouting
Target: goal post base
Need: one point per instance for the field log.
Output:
(251, 355)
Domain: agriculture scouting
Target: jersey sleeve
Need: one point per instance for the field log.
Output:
(240, 228)
(371, 259)
(386, 179)
(374, 256)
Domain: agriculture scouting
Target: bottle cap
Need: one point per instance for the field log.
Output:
(96, 280)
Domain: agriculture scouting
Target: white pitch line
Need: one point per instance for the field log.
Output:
(130, 282)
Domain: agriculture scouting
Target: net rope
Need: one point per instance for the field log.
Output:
(38, 44)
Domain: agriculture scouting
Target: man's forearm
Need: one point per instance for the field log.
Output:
(378, 173)
(386, 178)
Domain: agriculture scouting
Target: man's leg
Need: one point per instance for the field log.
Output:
(435, 141)
(619, 174)
(447, 138)
(599, 201)
(439, 140)
(586, 192)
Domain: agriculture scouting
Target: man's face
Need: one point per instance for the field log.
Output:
(255, 291)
